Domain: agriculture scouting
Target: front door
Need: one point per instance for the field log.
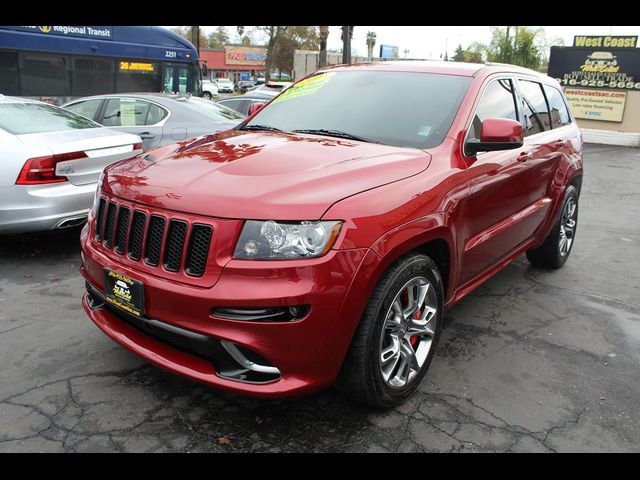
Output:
(175, 78)
(503, 208)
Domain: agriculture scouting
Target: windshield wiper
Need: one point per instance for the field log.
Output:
(260, 127)
(335, 133)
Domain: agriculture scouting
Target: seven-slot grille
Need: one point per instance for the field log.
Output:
(142, 236)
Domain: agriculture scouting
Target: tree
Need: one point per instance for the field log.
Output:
(186, 33)
(218, 38)
(475, 53)
(526, 48)
(371, 42)
(324, 35)
(283, 41)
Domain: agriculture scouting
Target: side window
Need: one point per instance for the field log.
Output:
(497, 101)
(536, 112)
(125, 112)
(233, 104)
(155, 114)
(44, 74)
(88, 108)
(9, 82)
(559, 111)
(92, 76)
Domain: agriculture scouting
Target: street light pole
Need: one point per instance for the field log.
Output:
(446, 47)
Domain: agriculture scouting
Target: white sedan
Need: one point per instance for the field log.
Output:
(51, 161)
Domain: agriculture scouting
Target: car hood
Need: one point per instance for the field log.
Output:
(259, 175)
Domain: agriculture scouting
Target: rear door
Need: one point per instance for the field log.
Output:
(136, 116)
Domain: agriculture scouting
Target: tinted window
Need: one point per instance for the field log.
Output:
(212, 110)
(20, 118)
(131, 112)
(497, 101)
(9, 82)
(237, 105)
(88, 108)
(44, 74)
(141, 76)
(536, 113)
(395, 108)
(92, 76)
(559, 111)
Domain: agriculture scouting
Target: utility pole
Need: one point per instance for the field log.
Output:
(195, 38)
(346, 45)
(507, 45)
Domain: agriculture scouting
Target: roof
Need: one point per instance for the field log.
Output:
(9, 99)
(446, 68)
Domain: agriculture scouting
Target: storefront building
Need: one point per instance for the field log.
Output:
(600, 76)
(235, 62)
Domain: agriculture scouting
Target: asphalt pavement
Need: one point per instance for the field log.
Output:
(532, 361)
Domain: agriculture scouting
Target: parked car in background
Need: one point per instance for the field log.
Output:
(242, 103)
(323, 239)
(209, 89)
(158, 118)
(244, 85)
(225, 85)
(51, 161)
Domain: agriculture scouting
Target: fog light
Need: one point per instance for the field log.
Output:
(267, 314)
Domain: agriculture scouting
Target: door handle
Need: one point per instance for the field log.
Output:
(524, 156)
(146, 136)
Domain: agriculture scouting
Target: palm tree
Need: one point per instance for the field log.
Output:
(324, 34)
(371, 42)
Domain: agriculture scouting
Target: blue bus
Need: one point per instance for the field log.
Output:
(59, 63)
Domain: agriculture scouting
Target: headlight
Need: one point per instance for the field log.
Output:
(96, 197)
(271, 240)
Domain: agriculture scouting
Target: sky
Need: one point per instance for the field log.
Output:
(430, 42)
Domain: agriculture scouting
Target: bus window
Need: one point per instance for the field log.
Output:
(43, 74)
(91, 76)
(137, 76)
(9, 83)
(182, 79)
(169, 71)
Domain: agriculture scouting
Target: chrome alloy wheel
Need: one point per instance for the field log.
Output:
(568, 226)
(407, 333)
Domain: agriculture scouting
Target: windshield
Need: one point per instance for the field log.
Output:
(395, 108)
(23, 118)
(214, 111)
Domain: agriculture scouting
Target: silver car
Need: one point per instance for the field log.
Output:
(159, 118)
(51, 161)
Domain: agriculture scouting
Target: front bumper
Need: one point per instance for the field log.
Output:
(308, 353)
(31, 208)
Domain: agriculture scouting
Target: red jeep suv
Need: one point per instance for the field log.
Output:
(322, 239)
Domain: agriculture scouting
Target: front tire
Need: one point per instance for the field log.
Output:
(555, 250)
(396, 340)
(207, 96)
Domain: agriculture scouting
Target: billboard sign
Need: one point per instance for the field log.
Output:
(606, 41)
(245, 55)
(388, 51)
(605, 105)
(608, 68)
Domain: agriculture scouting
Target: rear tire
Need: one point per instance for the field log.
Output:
(398, 333)
(207, 96)
(555, 250)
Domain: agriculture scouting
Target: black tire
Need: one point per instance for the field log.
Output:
(207, 96)
(361, 377)
(549, 253)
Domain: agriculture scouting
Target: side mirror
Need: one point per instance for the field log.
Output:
(255, 108)
(496, 134)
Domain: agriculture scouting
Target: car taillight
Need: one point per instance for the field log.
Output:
(138, 146)
(39, 170)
